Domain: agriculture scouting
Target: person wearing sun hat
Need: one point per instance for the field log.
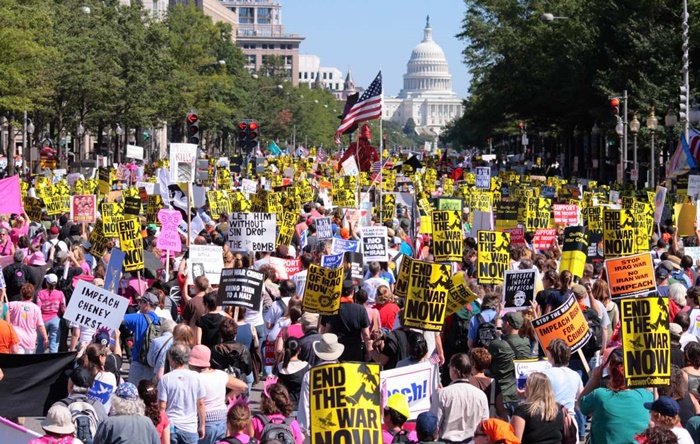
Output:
(58, 425)
(127, 422)
(396, 413)
(495, 431)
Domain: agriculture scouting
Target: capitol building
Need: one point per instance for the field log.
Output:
(427, 95)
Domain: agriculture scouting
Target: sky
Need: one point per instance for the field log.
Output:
(365, 35)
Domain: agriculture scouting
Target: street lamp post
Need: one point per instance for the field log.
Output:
(80, 131)
(30, 131)
(634, 127)
(669, 122)
(595, 135)
(620, 130)
(119, 132)
(652, 123)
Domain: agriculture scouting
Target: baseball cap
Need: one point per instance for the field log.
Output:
(661, 273)
(426, 423)
(514, 318)
(665, 405)
(675, 329)
(53, 230)
(579, 290)
(127, 391)
(150, 298)
(51, 278)
(309, 320)
(348, 287)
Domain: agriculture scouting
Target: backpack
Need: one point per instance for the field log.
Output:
(232, 440)
(281, 431)
(486, 332)
(152, 332)
(84, 419)
(400, 436)
(19, 275)
(457, 336)
(594, 325)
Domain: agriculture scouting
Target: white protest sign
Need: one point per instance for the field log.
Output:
(350, 167)
(134, 152)
(249, 186)
(526, 367)
(417, 382)
(374, 244)
(483, 178)
(207, 260)
(182, 160)
(659, 201)
(693, 186)
(614, 196)
(94, 307)
(150, 187)
(252, 232)
(324, 228)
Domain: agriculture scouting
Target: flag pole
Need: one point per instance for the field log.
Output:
(381, 155)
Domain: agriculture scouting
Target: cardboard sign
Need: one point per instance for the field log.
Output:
(416, 382)
(112, 213)
(131, 243)
(356, 269)
(374, 244)
(240, 287)
(342, 245)
(350, 167)
(322, 290)
(506, 215)
(517, 236)
(573, 256)
(132, 206)
(538, 213)
(324, 228)
(249, 186)
(332, 260)
(182, 162)
(113, 274)
(566, 323)
(459, 294)
(252, 232)
(169, 237)
(567, 214)
(206, 260)
(134, 152)
(427, 295)
(525, 367)
(403, 277)
(544, 238)
(82, 208)
(94, 307)
(345, 403)
(287, 229)
(518, 289)
(447, 236)
(388, 206)
(483, 178)
(618, 233)
(493, 256)
(631, 275)
(646, 341)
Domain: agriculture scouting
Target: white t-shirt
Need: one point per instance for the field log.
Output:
(299, 280)
(565, 383)
(371, 286)
(694, 328)
(181, 389)
(215, 386)
(683, 435)
(687, 338)
(111, 380)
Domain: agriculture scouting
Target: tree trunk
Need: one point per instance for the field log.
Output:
(12, 148)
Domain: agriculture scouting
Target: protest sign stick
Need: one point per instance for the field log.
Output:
(583, 360)
(138, 276)
(167, 265)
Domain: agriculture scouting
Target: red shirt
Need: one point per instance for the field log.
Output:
(387, 314)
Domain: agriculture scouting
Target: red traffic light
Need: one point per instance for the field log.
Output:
(192, 118)
(520, 125)
(242, 126)
(615, 102)
(253, 126)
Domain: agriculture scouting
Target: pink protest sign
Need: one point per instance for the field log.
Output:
(169, 238)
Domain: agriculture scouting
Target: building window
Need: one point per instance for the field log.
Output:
(287, 60)
(330, 76)
(264, 16)
(324, 76)
(250, 59)
(306, 75)
(300, 76)
(263, 59)
(336, 86)
(246, 16)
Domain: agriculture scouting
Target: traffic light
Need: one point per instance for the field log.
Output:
(615, 106)
(253, 132)
(242, 141)
(683, 115)
(193, 135)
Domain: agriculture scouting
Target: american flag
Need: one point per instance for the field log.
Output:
(368, 107)
(321, 155)
(377, 167)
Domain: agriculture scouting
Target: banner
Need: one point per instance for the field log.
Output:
(459, 294)
(82, 208)
(417, 382)
(447, 236)
(240, 287)
(252, 232)
(182, 162)
(544, 238)
(94, 307)
(324, 227)
(493, 256)
(11, 202)
(342, 245)
(131, 243)
(631, 275)
(345, 404)
(11, 433)
(322, 290)
(646, 341)
(574, 251)
(567, 214)
(374, 244)
(618, 233)
(207, 260)
(518, 289)
(113, 274)
(427, 295)
(566, 323)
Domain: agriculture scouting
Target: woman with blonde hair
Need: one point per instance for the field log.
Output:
(388, 310)
(77, 257)
(183, 333)
(539, 420)
(601, 292)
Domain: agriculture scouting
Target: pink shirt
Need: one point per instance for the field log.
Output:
(25, 316)
(387, 437)
(49, 303)
(16, 233)
(294, 426)
(242, 437)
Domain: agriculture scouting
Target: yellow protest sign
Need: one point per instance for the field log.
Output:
(403, 276)
(345, 403)
(646, 341)
(427, 295)
(112, 213)
(131, 243)
(98, 241)
(447, 236)
(33, 208)
(388, 206)
(493, 256)
(153, 206)
(685, 218)
(574, 251)
(618, 233)
(322, 290)
(459, 294)
(539, 212)
(286, 231)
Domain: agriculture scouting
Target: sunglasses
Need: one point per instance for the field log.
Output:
(479, 434)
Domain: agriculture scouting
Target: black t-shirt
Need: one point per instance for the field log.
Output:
(677, 355)
(209, 323)
(556, 299)
(538, 431)
(395, 347)
(348, 325)
(543, 296)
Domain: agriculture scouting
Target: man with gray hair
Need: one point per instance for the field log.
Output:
(16, 275)
(158, 351)
(181, 395)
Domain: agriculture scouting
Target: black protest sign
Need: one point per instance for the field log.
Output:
(595, 252)
(355, 259)
(132, 206)
(240, 287)
(518, 289)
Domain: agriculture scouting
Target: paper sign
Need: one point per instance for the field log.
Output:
(493, 256)
(350, 167)
(240, 287)
(113, 274)
(83, 208)
(459, 294)
(134, 152)
(169, 237)
(517, 235)
(447, 236)
(525, 367)
(324, 228)
(252, 232)
(94, 307)
(693, 186)
(544, 238)
(566, 214)
(646, 341)
(374, 244)
(182, 162)
(150, 187)
(322, 290)
(659, 202)
(427, 295)
(249, 186)
(342, 245)
(416, 382)
(483, 178)
(332, 260)
(573, 256)
(518, 289)
(131, 243)
(206, 260)
(618, 233)
(631, 275)
(566, 323)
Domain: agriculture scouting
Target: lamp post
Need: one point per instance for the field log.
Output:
(652, 123)
(620, 130)
(119, 132)
(634, 127)
(80, 131)
(30, 131)
(595, 137)
(670, 122)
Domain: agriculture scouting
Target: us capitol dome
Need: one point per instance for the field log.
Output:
(426, 96)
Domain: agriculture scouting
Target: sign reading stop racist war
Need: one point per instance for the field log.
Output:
(566, 323)
(574, 251)
(459, 294)
(646, 341)
(427, 295)
(240, 287)
(618, 233)
(493, 256)
(631, 275)
(345, 404)
(447, 236)
(518, 289)
(131, 243)
(322, 290)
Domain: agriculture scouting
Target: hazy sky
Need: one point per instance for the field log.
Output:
(365, 35)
